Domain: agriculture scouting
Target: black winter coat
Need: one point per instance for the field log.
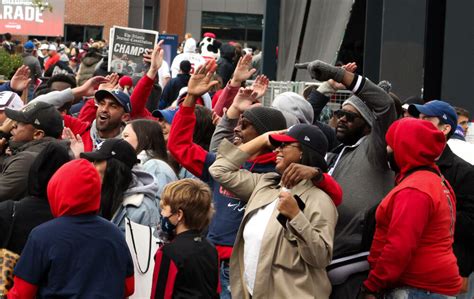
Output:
(460, 174)
(225, 64)
(33, 209)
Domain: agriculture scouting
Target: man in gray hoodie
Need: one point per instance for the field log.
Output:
(359, 165)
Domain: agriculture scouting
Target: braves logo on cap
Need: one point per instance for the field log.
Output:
(29, 107)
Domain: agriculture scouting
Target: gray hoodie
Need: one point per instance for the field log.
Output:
(361, 170)
(139, 201)
(291, 103)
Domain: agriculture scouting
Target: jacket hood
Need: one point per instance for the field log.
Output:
(293, 103)
(142, 182)
(262, 163)
(32, 146)
(90, 60)
(190, 46)
(227, 51)
(415, 143)
(75, 189)
(49, 160)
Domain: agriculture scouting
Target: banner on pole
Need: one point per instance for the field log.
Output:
(22, 17)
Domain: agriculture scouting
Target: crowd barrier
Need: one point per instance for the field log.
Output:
(277, 87)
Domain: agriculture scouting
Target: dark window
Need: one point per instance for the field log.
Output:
(243, 28)
(79, 33)
(148, 17)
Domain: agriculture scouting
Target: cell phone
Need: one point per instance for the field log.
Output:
(283, 219)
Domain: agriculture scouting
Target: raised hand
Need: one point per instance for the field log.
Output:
(88, 89)
(243, 70)
(111, 83)
(350, 67)
(200, 82)
(245, 99)
(322, 71)
(21, 79)
(215, 118)
(76, 145)
(155, 58)
(260, 85)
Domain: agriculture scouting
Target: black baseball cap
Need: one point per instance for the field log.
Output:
(113, 148)
(41, 115)
(309, 135)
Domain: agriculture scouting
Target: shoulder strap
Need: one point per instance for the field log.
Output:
(425, 168)
(10, 230)
(129, 223)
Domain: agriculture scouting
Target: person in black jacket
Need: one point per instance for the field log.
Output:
(225, 64)
(171, 91)
(33, 209)
(460, 174)
(188, 266)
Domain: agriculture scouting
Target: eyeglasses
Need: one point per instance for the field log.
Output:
(350, 116)
(285, 145)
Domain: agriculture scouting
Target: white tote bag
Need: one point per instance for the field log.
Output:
(143, 246)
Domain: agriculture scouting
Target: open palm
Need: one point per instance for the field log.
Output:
(21, 79)
(200, 82)
(260, 86)
(244, 69)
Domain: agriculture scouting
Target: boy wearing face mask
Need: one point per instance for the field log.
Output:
(188, 266)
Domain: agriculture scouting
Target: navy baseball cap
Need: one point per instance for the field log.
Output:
(167, 114)
(121, 97)
(436, 108)
(309, 135)
(29, 45)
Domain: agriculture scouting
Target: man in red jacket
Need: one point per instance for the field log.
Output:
(411, 254)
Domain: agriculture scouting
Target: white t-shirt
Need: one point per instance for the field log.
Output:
(163, 73)
(253, 235)
(462, 149)
(194, 58)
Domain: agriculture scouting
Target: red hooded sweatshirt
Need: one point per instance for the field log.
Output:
(73, 190)
(412, 245)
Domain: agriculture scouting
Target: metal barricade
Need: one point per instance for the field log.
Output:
(277, 87)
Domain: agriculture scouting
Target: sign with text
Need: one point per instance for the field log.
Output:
(170, 46)
(127, 46)
(22, 17)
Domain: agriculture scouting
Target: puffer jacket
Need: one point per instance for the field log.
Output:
(87, 68)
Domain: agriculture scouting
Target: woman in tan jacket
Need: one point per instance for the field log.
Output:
(285, 240)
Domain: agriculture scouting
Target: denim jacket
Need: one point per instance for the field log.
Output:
(139, 201)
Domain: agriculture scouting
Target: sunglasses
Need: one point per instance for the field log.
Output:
(284, 145)
(350, 116)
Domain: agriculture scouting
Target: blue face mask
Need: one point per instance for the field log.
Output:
(167, 226)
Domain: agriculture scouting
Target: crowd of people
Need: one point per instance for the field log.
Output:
(296, 200)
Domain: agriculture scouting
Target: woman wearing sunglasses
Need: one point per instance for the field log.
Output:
(286, 236)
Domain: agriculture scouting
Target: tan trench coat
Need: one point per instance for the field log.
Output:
(292, 261)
